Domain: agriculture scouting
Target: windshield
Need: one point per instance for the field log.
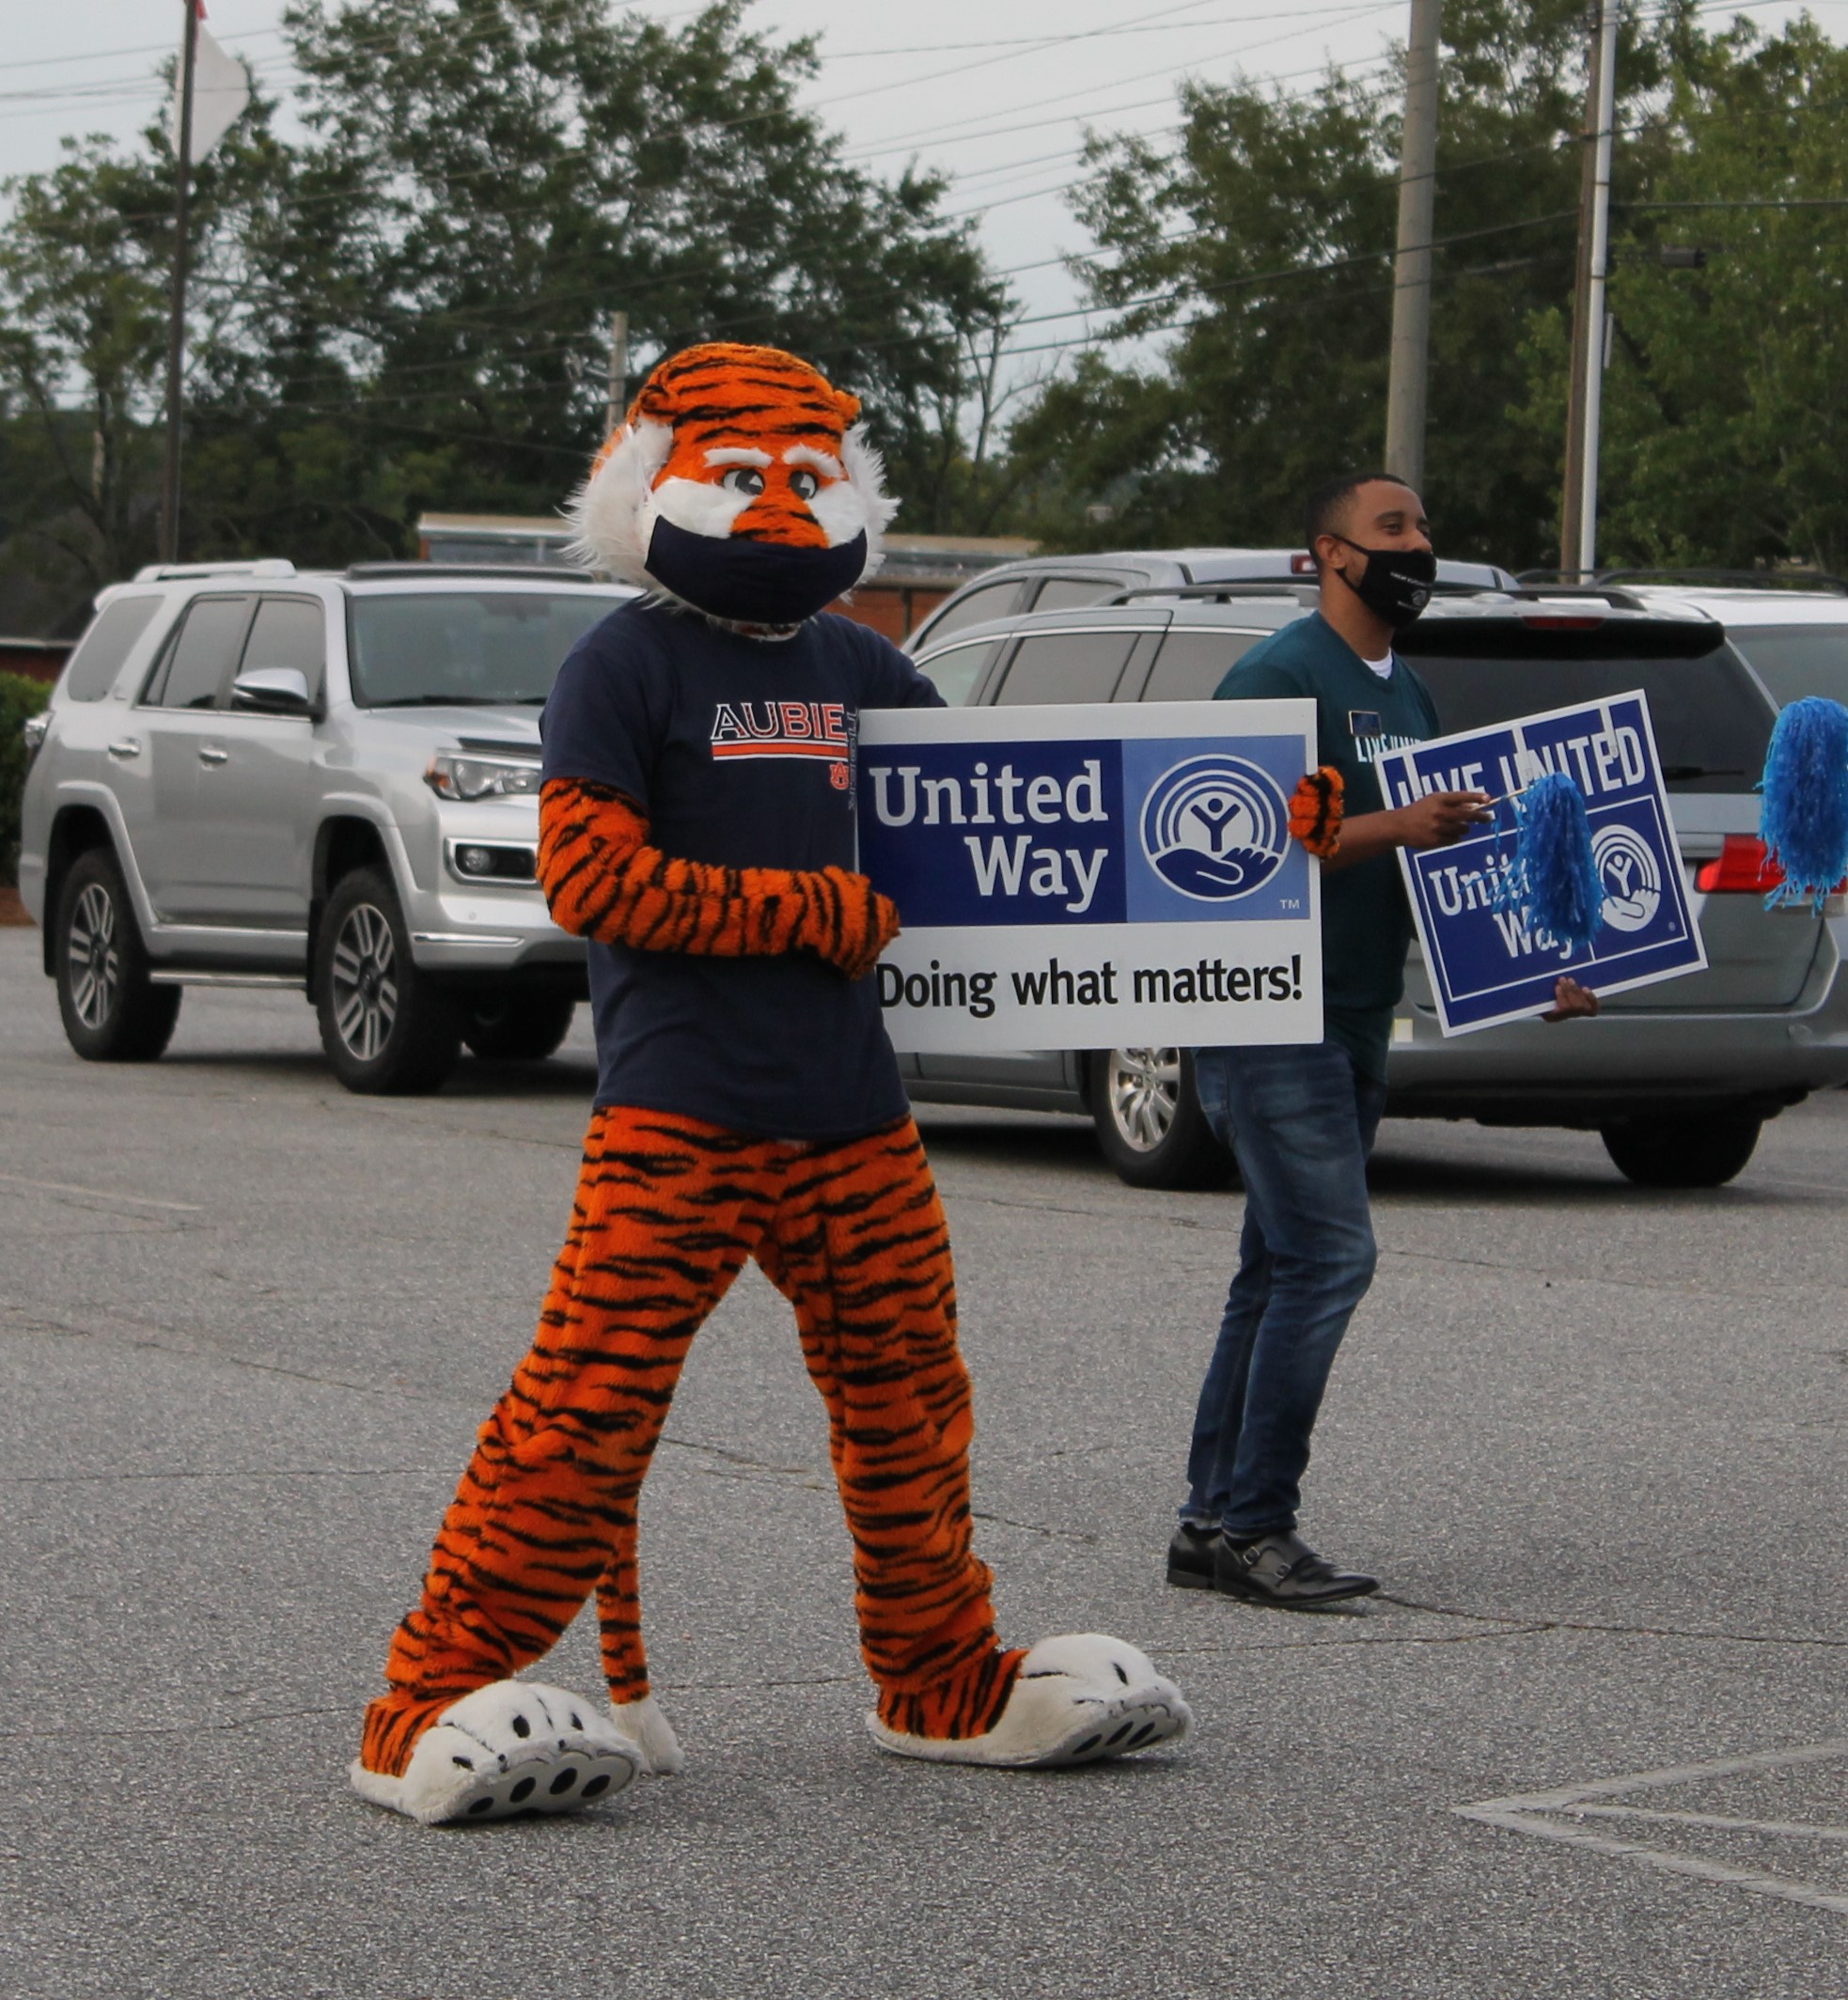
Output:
(1712, 724)
(468, 646)
(1796, 660)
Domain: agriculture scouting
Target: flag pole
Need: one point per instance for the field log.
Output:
(176, 351)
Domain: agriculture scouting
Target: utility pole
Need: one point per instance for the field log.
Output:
(1411, 270)
(1578, 519)
(619, 370)
(175, 348)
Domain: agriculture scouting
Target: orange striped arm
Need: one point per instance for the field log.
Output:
(1316, 809)
(603, 881)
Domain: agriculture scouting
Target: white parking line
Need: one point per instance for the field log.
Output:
(64, 1187)
(1523, 1814)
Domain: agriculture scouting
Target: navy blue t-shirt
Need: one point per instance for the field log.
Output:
(737, 751)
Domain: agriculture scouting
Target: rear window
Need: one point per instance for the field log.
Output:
(992, 600)
(956, 670)
(1067, 666)
(97, 662)
(1711, 722)
(1794, 661)
(1191, 664)
(467, 646)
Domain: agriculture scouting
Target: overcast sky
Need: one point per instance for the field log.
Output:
(996, 94)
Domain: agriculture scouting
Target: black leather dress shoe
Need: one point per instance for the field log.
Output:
(1282, 1570)
(1190, 1562)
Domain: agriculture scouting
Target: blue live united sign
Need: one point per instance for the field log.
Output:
(1091, 876)
(1487, 963)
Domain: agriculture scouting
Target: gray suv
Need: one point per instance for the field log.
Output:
(249, 776)
(1068, 583)
(1678, 1078)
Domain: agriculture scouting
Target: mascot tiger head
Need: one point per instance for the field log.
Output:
(740, 483)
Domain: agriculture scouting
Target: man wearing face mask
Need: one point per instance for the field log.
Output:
(1301, 1119)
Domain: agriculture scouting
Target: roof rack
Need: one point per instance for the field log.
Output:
(168, 572)
(1735, 579)
(547, 572)
(1292, 586)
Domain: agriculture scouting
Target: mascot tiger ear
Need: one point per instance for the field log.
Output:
(740, 483)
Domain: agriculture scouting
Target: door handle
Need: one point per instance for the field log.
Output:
(126, 747)
(213, 754)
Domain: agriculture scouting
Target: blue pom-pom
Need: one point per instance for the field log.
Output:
(1553, 881)
(1804, 819)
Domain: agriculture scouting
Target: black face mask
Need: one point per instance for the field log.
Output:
(758, 583)
(1396, 583)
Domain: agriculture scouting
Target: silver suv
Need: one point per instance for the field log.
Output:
(1678, 1077)
(249, 776)
(1068, 583)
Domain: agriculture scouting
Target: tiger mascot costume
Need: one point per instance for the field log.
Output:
(696, 826)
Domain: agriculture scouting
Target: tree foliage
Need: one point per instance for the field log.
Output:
(410, 306)
(1258, 252)
(1726, 399)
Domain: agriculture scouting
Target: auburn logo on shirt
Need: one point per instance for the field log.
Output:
(783, 729)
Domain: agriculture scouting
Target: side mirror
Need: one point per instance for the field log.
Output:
(273, 690)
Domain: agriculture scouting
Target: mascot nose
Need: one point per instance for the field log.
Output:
(779, 515)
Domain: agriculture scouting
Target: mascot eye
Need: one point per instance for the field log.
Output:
(804, 484)
(743, 479)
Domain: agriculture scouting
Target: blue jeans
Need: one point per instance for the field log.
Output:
(1302, 1123)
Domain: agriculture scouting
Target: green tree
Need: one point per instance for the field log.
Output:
(1726, 404)
(410, 306)
(1259, 253)
(82, 344)
(487, 181)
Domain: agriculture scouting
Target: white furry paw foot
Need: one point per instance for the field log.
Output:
(514, 1746)
(1078, 1698)
(642, 1724)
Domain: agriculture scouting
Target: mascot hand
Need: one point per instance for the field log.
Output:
(847, 921)
(1315, 812)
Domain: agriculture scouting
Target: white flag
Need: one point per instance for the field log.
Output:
(221, 89)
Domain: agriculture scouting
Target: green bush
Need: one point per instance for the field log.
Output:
(18, 699)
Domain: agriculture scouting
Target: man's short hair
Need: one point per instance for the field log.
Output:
(1325, 503)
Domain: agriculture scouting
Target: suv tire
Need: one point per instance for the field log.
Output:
(388, 1029)
(1148, 1120)
(1698, 1152)
(518, 1027)
(113, 1013)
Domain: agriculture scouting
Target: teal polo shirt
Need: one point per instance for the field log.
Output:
(1365, 923)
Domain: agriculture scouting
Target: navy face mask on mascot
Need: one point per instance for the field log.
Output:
(696, 826)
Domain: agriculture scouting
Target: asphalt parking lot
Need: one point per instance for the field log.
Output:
(1595, 1742)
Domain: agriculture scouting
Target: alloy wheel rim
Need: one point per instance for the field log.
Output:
(96, 963)
(365, 982)
(1144, 1090)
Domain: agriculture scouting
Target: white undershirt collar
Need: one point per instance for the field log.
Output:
(1380, 667)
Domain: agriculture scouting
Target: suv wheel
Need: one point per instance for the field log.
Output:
(387, 1028)
(1685, 1151)
(113, 1013)
(1149, 1119)
(518, 1027)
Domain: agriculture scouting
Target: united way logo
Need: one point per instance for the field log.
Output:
(1630, 875)
(1216, 827)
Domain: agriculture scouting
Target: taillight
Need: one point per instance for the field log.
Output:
(1743, 867)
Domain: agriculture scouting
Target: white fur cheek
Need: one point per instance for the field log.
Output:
(607, 512)
(697, 506)
(842, 509)
(866, 475)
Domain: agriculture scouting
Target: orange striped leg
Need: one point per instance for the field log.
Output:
(861, 1248)
(667, 1212)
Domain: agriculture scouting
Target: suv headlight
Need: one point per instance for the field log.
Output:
(479, 777)
(33, 729)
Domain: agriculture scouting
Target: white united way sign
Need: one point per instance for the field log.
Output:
(1092, 877)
